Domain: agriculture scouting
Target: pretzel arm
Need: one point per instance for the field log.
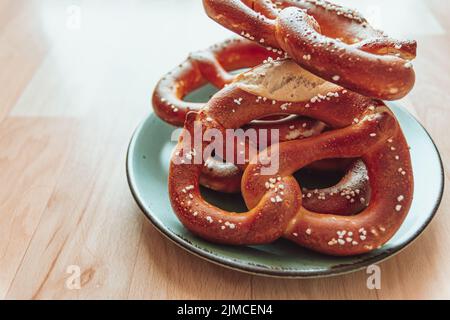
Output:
(212, 65)
(262, 224)
(245, 21)
(392, 185)
(339, 62)
(349, 196)
(390, 179)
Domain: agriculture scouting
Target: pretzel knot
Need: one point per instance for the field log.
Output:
(332, 42)
(365, 128)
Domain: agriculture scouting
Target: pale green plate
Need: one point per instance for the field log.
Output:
(147, 170)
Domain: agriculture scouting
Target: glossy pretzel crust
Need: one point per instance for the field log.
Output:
(333, 42)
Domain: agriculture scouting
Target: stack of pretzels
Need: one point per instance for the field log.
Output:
(317, 75)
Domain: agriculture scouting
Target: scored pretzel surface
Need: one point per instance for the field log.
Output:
(365, 128)
(331, 41)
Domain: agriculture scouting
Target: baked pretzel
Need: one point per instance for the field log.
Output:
(212, 65)
(331, 41)
(367, 130)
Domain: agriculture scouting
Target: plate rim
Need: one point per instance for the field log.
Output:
(267, 272)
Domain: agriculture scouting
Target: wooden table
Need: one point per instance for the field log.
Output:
(76, 78)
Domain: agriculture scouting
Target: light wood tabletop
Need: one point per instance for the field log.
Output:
(76, 78)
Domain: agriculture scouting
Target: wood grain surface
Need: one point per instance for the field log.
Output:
(76, 78)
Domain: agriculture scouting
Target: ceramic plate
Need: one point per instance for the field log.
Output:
(147, 170)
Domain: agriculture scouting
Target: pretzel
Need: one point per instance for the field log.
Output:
(211, 65)
(331, 41)
(367, 129)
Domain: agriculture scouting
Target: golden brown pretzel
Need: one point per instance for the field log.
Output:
(211, 65)
(368, 130)
(330, 41)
